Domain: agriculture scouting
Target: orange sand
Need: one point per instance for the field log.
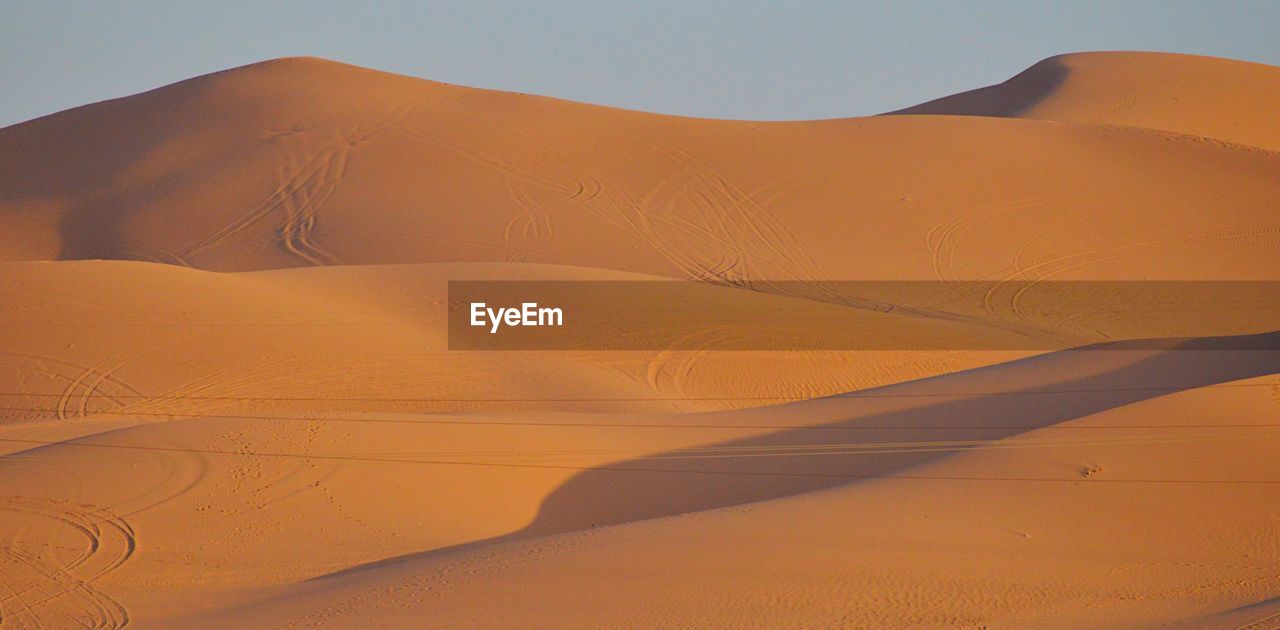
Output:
(229, 401)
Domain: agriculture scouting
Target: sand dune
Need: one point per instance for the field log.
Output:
(1221, 99)
(265, 167)
(447, 483)
(227, 399)
(1067, 526)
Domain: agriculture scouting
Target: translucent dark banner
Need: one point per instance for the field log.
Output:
(859, 315)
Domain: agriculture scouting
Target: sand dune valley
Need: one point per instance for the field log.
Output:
(227, 397)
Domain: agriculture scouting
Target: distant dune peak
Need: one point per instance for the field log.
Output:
(1009, 99)
(1224, 99)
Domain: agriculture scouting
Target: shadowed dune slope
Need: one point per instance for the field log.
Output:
(1231, 101)
(1092, 514)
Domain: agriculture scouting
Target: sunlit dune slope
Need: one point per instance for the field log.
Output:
(149, 341)
(302, 162)
(155, 342)
(1227, 100)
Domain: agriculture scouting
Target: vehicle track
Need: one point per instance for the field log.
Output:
(300, 209)
(1047, 269)
(943, 239)
(88, 382)
(62, 593)
(530, 230)
(489, 161)
(308, 179)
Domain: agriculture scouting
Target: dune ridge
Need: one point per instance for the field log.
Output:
(1224, 99)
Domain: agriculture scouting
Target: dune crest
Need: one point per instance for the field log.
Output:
(272, 166)
(1227, 100)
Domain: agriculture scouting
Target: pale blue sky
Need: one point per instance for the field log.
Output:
(761, 60)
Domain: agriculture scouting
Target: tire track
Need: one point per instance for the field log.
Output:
(69, 598)
(533, 226)
(307, 181)
(300, 209)
(292, 181)
(1051, 267)
(489, 161)
(943, 239)
(763, 248)
(65, 591)
(89, 382)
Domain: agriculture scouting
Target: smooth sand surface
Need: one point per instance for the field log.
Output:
(227, 399)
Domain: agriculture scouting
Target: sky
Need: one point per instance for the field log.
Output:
(744, 59)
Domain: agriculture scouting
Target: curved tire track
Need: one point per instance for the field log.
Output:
(63, 594)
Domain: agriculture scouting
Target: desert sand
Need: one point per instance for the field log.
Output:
(227, 398)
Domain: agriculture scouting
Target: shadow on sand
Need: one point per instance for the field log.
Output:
(1009, 99)
(986, 403)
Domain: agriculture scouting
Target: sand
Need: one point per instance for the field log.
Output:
(228, 399)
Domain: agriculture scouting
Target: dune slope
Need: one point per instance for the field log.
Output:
(1227, 100)
(1080, 524)
(267, 166)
